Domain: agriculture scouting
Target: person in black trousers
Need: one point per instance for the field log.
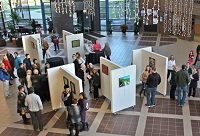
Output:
(193, 83)
(96, 83)
(80, 74)
(21, 104)
(21, 73)
(173, 83)
(12, 63)
(197, 51)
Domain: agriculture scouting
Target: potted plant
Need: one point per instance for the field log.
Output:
(12, 30)
(124, 27)
(110, 26)
(5, 32)
(15, 17)
(50, 23)
(29, 22)
(137, 25)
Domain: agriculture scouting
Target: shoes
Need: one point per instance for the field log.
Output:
(14, 77)
(90, 92)
(27, 123)
(10, 83)
(191, 96)
(82, 130)
(153, 105)
(8, 97)
(147, 105)
(87, 125)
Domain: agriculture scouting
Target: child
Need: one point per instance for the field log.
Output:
(191, 57)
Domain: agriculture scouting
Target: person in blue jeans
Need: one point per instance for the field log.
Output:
(153, 81)
(182, 79)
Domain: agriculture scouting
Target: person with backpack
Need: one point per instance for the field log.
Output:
(55, 39)
(82, 102)
(74, 117)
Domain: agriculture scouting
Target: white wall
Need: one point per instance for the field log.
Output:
(123, 97)
(56, 84)
(55, 87)
(137, 60)
(65, 33)
(161, 68)
(105, 79)
(35, 38)
(71, 50)
(74, 79)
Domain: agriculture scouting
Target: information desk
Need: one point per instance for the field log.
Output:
(55, 61)
(94, 58)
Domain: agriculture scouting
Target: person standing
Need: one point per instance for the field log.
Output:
(12, 63)
(67, 97)
(80, 59)
(153, 81)
(4, 78)
(76, 64)
(21, 73)
(34, 26)
(55, 39)
(45, 48)
(7, 67)
(75, 118)
(27, 61)
(182, 79)
(171, 64)
(21, 104)
(173, 83)
(17, 60)
(36, 80)
(87, 51)
(35, 107)
(28, 78)
(90, 71)
(107, 50)
(193, 84)
(198, 52)
(82, 102)
(35, 61)
(143, 78)
(96, 83)
(96, 46)
(188, 68)
(81, 75)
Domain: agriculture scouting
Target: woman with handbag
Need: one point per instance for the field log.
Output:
(21, 108)
(143, 78)
(90, 71)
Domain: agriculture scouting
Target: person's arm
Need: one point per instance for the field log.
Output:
(187, 78)
(39, 103)
(64, 98)
(83, 61)
(2, 76)
(159, 80)
(148, 79)
(196, 77)
(26, 102)
(87, 48)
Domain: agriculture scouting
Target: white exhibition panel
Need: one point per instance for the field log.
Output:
(70, 50)
(74, 79)
(137, 60)
(56, 83)
(69, 67)
(105, 79)
(55, 80)
(65, 33)
(161, 68)
(125, 96)
(36, 51)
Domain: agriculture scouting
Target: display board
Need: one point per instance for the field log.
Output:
(32, 46)
(123, 86)
(74, 43)
(65, 33)
(57, 78)
(106, 66)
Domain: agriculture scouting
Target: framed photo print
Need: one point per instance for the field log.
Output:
(104, 69)
(72, 86)
(65, 81)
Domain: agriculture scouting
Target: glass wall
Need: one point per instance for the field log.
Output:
(119, 12)
(26, 9)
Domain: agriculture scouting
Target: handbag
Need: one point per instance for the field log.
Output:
(24, 110)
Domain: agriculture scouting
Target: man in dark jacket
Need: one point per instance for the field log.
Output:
(67, 97)
(182, 78)
(21, 73)
(197, 51)
(153, 81)
(12, 63)
(76, 64)
(27, 61)
(173, 83)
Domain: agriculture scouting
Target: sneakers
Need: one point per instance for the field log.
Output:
(153, 105)
(147, 105)
(8, 97)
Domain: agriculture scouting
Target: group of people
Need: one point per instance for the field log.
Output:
(75, 111)
(93, 74)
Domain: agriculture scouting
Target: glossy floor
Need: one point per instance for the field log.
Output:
(166, 119)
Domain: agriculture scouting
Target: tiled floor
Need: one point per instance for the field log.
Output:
(166, 119)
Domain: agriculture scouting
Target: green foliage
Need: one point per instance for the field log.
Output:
(29, 22)
(15, 17)
(11, 26)
(124, 26)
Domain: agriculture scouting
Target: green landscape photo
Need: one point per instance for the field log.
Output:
(123, 81)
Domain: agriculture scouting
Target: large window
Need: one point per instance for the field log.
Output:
(119, 12)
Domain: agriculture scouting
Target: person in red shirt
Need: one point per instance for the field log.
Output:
(7, 66)
(96, 46)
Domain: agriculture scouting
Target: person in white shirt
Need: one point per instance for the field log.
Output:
(171, 64)
(35, 106)
(87, 51)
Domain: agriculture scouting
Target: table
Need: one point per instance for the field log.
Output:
(55, 61)
(94, 58)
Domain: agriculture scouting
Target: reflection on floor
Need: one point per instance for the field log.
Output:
(165, 119)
